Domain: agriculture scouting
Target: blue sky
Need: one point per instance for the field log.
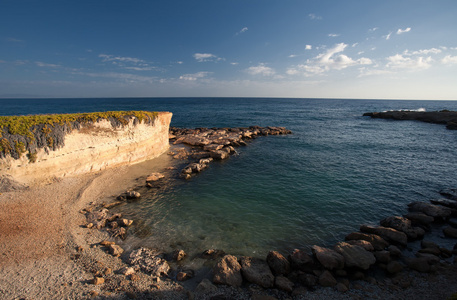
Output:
(252, 48)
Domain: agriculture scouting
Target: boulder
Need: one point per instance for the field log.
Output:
(154, 177)
(98, 280)
(219, 154)
(257, 271)
(389, 234)
(205, 287)
(228, 271)
(133, 195)
(450, 231)
(445, 202)
(300, 259)
(394, 251)
(284, 284)
(431, 210)
(378, 242)
(115, 250)
(419, 264)
(362, 243)
(179, 255)
(420, 219)
(278, 263)
(394, 267)
(149, 262)
(449, 193)
(382, 256)
(403, 225)
(308, 280)
(355, 256)
(127, 271)
(329, 258)
(326, 279)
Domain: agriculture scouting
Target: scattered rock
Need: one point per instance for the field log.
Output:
(278, 263)
(127, 271)
(355, 256)
(98, 280)
(115, 250)
(133, 195)
(154, 177)
(212, 254)
(107, 243)
(257, 271)
(228, 271)
(149, 262)
(179, 255)
(284, 284)
(329, 258)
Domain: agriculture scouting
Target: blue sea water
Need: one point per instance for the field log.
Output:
(336, 171)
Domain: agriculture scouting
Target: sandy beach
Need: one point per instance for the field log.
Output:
(48, 253)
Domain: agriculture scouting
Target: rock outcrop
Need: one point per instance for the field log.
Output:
(87, 147)
(438, 117)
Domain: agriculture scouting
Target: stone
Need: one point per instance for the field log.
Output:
(133, 195)
(127, 271)
(213, 147)
(179, 255)
(394, 251)
(284, 284)
(308, 280)
(278, 263)
(420, 218)
(212, 254)
(403, 225)
(125, 222)
(378, 242)
(431, 210)
(428, 244)
(362, 243)
(326, 279)
(183, 276)
(329, 258)
(96, 216)
(119, 232)
(445, 202)
(389, 234)
(431, 258)
(355, 256)
(340, 287)
(449, 193)
(114, 217)
(257, 271)
(300, 291)
(154, 177)
(418, 264)
(148, 261)
(205, 287)
(434, 251)
(450, 231)
(98, 280)
(228, 271)
(115, 250)
(219, 154)
(382, 257)
(394, 267)
(106, 243)
(300, 259)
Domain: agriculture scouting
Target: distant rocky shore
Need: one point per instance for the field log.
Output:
(449, 118)
(376, 254)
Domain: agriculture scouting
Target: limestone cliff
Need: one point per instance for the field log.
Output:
(82, 145)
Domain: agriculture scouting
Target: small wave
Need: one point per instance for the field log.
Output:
(418, 110)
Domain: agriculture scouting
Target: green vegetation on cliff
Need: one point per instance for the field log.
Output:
(21, 134)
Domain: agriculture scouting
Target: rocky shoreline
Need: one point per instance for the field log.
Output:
(449, 118)
(374, 258)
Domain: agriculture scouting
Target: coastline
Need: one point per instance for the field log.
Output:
(57, 257)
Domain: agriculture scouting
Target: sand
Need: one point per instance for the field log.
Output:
(47, 253)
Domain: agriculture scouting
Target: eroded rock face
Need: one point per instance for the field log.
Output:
(329, 258)
(228, 271)
(355, 256)
(257, 271)
(149, 262)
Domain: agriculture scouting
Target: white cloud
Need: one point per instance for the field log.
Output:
(293, 55)
(204, 57)
(261, 69)
(400, 31)
(423, 52)
(195, 76)
(42, 64)
(387, 37)
(130, 78)
(244, 29)
(355, 45)
(234, 63)
(314, 17)
(373, 29)
(333, 34)
(128, 63)
(398, 61)
(14, 40)
(115, 59)
(308, 47)
(449, 59)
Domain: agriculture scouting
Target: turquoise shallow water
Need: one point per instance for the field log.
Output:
(336, 171)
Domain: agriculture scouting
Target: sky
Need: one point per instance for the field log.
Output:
(364, 49)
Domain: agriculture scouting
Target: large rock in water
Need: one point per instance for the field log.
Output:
(355, 256)
(278, 263)
(257, 271)
(403, 225)
(378, 242)
(329, 258)
(431, 210)
(300, 259)
(389, 234)
(228, 271)
(149, 261)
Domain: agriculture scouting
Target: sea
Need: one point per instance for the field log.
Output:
(337, 170)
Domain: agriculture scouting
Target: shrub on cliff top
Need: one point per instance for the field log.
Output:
(19, 134)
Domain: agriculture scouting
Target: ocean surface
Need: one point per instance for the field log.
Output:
(336, 171)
